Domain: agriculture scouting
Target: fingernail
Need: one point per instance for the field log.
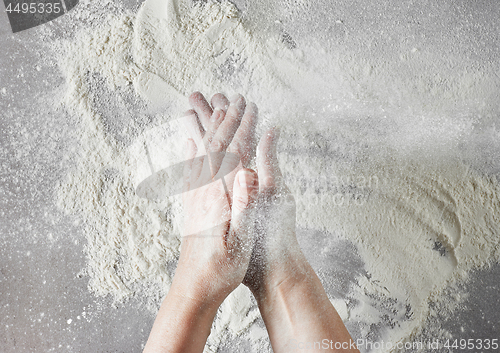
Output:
(254, 108)
(246, 179)
(235, 100)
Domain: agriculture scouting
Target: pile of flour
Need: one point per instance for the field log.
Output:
(418, 223)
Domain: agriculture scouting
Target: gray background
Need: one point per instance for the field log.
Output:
(41, 249)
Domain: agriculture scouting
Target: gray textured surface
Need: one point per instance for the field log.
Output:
(44, 303)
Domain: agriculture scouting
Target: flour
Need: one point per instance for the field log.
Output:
(128, 238)
(419, 224)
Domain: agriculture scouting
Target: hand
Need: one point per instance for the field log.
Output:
(217, 245)
(276, 257)
(291, 298)
(219, 193)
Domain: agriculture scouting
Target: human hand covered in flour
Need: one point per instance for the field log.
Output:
(240, 227)
(219, 193)
(218, 197)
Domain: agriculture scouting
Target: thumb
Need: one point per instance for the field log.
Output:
(267, 161)
(245, 191)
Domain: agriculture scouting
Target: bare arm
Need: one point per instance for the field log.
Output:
(182, 324)
(298, 313)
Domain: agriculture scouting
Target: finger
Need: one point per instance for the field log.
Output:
(230, 166)
(243, 143)
(206, 176)
(220, 105)
(246, 188)
(188, 165)
(217, 118)
(229, 125)
(227, 129)
(194, 129)
(267, 161)
(202, 108)
(196, 170)
(220, 101)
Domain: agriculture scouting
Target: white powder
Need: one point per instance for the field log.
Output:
(418, 223)
(130, 240)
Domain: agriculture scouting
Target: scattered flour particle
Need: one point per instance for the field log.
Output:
(417, 227)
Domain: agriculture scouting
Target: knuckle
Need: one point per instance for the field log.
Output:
(236, 147)
(217, 146)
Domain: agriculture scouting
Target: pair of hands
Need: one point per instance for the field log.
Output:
(240, 228)
(239, 223)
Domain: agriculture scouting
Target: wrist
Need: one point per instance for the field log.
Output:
(291, 272)
(184, 320)
(196, 290)
(193, 309)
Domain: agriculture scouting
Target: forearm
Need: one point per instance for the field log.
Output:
(298, 312)
(182, 324)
